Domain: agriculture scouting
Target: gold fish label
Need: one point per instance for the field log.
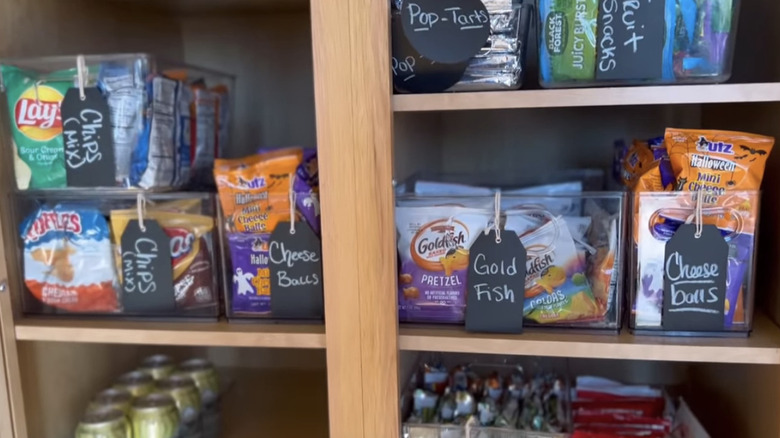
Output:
(439, 246)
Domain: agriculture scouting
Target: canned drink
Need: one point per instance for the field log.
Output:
(154, 416)
(114, 398)
(205, 377)
(105, 422)
(187, 397)
(138, 383)
(159, 366)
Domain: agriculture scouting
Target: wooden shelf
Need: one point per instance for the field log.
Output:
(220, 334)
(762, 347)
(275, 403)
(579, 97)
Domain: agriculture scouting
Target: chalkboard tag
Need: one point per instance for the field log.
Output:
(147, 271)
(496, 284)
(295, 264)
(448, 31)
(630, 40)
(88, 139)
(415, 73)
(695, 272)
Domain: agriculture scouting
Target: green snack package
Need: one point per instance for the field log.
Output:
(36, 125)
(569, 38)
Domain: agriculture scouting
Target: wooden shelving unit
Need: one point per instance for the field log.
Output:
(217, 334)
(315, 72)
(589, 97)
(762, 347)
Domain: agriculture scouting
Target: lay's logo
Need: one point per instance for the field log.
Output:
(47, 221)
(37, 113)
(181, 242)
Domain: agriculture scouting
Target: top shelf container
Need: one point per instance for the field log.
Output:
(122, 120)
(598, 43)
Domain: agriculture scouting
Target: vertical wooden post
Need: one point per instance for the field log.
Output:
(354, 135)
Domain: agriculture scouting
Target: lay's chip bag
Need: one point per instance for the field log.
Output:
(36, 126)
(714, 162)
(67, 259)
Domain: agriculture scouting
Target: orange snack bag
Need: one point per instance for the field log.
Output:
(254, 192)
(716, 161)
(636, 162)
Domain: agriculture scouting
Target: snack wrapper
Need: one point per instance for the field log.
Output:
(67, 259)
(36, 126)
(254, 191)
(251, 277)
(190, 234)
(712, 162)
(433, 245)
(556, 287)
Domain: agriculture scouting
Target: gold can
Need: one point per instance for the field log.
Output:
(154, 416)
(183, 390)
(205, 377)
(138, 383)
(105, 422)
(159, 366)
(113, 398)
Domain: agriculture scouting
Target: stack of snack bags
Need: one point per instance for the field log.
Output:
(504, 398)
(571, 243)
(166, 128)
(72, 255)
(603, 408)
(255, 195)
(725, 169)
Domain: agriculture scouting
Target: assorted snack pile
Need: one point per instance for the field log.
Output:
(668, 175)
(572, 242)
(503, 397)
(603, 408)
(591, 41)
(72, 254)
(167, 127)
(159, 400)
(257, 193)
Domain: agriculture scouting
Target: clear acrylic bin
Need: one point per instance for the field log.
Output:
(70, 252)
(245, 258)
(574, 266)
(656, 216)
(600, 43)
(522, 379)
(498, 65)
(167, 121)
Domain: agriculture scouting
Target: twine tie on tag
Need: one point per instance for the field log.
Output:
(81, 68)
(141, 210)
(292, 204)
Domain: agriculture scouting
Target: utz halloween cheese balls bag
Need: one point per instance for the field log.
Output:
(254, 191)
(433, 244)
(68, 259)
(714, 162)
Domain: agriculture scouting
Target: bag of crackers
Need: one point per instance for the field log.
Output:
(72, 255)
(718, 174)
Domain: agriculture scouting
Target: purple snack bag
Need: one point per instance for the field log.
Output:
(306, 187)
(250, 276)
(740, 254)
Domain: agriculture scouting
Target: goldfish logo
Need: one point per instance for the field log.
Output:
(440, 242)
(47, 221)
(37, 113)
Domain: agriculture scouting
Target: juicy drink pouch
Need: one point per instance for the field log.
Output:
(568, 39)
(36, 126)
(434, 244)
